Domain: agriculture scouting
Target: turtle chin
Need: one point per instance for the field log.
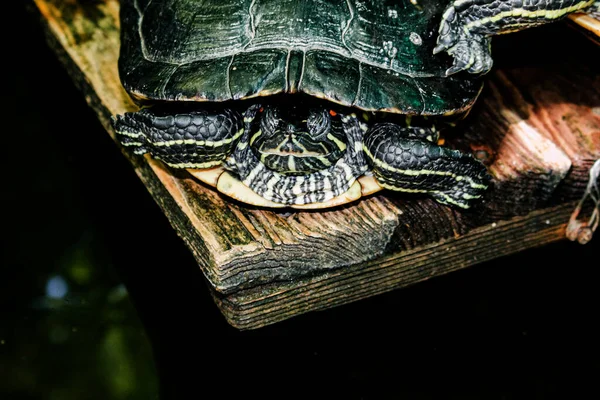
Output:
(297, 164)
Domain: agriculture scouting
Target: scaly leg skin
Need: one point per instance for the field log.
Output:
(467, 26)
(404, 162)
(196, 139)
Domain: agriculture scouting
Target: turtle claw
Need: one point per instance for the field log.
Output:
(439, 48)
(482, 64)
(456, 67)
(471, 54)
(470, 50)
(448, 31)
(404, 163)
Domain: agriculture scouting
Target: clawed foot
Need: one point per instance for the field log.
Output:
(129, 134)
(471, 51)
(404, 163)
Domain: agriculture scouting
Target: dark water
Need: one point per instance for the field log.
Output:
(99, 299)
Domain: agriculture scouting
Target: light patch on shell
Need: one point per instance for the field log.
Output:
(390, 51)
(369, 185)
(416, 39)
(209, 176)
(232, 187)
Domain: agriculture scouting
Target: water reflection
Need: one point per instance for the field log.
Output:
(69, 344)
(56, 287)
(68, 328)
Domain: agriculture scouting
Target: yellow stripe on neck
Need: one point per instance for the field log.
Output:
(520, 12)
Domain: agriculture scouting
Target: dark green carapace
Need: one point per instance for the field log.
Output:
(297, 100)
(373, 55)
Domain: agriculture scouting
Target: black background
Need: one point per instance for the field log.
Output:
(523, 326)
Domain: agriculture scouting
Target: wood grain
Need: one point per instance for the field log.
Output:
(268, 304)
(537, 135)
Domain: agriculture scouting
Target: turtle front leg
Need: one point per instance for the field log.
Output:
(467, 26)
(197, 139)
(403, 161)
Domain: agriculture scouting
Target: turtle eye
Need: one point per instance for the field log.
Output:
(318, 123)
(270, 121)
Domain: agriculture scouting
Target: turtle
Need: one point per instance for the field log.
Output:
(314, 103)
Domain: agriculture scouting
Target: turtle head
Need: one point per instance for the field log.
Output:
(297, 140)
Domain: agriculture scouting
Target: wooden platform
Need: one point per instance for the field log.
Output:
(536, 127)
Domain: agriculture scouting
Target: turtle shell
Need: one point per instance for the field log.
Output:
(372, 54)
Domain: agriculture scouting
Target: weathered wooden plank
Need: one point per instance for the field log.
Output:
(536, 134)
(251, 246)
(588, 25)
(527, 166)
(254, 308)
(565, 109)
